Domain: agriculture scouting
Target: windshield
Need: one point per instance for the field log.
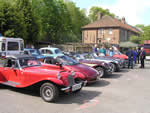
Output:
(58, 51)
(65, 60)
(35, 52)
(29, 62)
(117, 52)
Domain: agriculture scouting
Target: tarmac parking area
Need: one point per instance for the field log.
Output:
(127, 91)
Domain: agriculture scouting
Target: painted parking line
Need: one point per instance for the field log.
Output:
(88, 104)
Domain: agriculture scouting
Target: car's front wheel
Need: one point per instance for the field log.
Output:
(101, 71)
(113, 67)
(49, 92)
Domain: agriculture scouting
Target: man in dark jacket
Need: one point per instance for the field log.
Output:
(142, 57)
(130, 58)
(138, 55)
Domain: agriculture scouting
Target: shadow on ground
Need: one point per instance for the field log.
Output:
(27, 91)
(99, 83)
(79, 98)
(124, 70)
(114, 76)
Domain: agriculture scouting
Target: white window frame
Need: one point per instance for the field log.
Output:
(110, 31)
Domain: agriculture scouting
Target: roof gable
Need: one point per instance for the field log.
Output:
(109, 22)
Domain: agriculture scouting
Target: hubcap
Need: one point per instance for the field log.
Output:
(101, 72)
(47, 92)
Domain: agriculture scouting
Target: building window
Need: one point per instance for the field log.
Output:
(102, 31)
(110, 31)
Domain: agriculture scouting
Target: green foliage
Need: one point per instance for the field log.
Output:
(94, 13)
(143, 36)
(78, 19)
(11, 21)
(56, 21)
(141, 26)
(30, 20)
(135, 39)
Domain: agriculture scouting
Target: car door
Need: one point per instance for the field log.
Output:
(12, 71)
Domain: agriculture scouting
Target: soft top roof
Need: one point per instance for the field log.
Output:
(19, 56)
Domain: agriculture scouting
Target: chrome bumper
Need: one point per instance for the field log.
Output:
(69, 88)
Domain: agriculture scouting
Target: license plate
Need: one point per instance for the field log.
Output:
(76, 87)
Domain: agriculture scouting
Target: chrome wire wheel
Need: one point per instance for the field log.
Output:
(113, 67)
(101, 71)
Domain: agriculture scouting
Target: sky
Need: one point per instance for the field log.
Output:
(134, 11)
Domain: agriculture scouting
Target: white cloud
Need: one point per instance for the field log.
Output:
(132, 10)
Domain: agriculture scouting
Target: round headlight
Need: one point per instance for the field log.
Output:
(58, 75)
(73, 73)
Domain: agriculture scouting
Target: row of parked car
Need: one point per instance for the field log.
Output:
(52, 71)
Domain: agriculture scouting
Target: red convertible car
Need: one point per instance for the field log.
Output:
(24, 71)
(68, 64)
(120, 55)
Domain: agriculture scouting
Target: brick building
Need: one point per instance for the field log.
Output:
(107, 30)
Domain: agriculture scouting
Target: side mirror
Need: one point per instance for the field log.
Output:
(59, 64)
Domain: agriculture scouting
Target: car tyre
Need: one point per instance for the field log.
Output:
(49, 92)
(113, 67)
(101, 71)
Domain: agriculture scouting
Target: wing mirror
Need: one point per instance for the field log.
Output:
(59, 64)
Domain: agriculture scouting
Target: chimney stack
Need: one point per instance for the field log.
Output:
(99, 16)
(123, 20)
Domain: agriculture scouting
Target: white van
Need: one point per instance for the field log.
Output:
(9, 46)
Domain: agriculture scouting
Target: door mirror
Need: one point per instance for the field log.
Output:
(59, 64)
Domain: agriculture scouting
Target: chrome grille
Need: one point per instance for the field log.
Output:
(71, 80)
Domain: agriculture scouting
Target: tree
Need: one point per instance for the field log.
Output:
(94, 13)
(141, 26)
(78, 19)
(30, 20)
(135, 39)
(142, 36)
(146, 34)
(11, 21)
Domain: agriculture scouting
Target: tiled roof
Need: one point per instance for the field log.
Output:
(109, 22)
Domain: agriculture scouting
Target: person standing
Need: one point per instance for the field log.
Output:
(130, 58)
(138, 55)
(110, 52)
(134, 56)
(102, 51)
(142, 57)
(95, 50)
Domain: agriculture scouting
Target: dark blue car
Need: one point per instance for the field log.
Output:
(34, 52)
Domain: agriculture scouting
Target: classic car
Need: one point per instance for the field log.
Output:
(120, 55)
(67, 63)
(116, 65)
(34, 52)
(124, 61)
(24, 71)
(51, 52)
(103, 68)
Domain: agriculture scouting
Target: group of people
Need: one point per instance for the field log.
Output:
(103, 51)
(136, 56)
